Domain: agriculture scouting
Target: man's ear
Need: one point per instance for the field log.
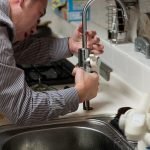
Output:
(21, 2)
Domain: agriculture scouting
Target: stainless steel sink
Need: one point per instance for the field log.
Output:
(65, 134)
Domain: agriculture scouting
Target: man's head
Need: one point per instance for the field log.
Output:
(25, 15)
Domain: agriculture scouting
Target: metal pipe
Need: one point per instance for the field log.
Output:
(84, 23)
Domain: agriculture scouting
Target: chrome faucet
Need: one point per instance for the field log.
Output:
(89, 62)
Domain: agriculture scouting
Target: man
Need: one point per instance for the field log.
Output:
(20, 104)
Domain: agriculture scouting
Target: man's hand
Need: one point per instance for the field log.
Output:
(93, 42)
(86, 84)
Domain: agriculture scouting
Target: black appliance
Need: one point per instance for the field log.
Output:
(52, 73)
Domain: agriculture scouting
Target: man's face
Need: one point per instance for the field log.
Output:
(25, 15)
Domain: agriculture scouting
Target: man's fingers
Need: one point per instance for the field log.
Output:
(96, 52)
(98, 47)
(95, 40)
(78, 70)
(80, 28)
(74, 71)
(95, 74)
(90, 35)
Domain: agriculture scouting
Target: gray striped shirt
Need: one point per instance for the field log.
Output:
(20, 104)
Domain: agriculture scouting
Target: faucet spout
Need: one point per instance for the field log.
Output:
(84, 23)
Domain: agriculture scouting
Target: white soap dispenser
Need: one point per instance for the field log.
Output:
(136, 124)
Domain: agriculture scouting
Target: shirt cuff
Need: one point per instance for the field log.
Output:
(71, 98)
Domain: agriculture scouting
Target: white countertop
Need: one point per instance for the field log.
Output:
(112, 95)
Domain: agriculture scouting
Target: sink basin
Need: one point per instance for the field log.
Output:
(80, 134)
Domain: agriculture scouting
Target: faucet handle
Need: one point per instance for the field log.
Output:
(94, 62)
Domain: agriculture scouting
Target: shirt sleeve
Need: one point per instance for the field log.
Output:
(18, 102)
(36, 50)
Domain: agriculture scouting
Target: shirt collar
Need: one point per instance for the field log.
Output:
(5, 16)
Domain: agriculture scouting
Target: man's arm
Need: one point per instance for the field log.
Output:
(41, 50)
(18, 102)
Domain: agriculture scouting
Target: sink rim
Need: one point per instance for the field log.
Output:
(96, 120)
(102, 117)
